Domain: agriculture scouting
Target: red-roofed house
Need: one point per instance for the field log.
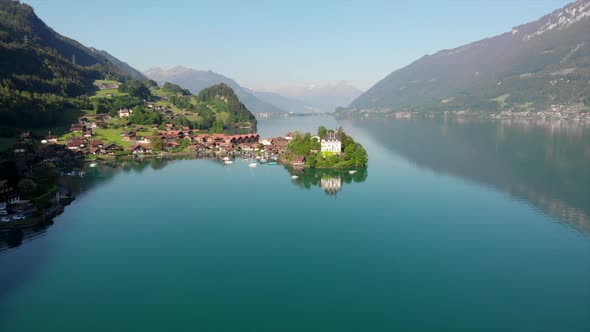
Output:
(298, 161)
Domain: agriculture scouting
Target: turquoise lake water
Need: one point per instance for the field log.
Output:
(476, 226)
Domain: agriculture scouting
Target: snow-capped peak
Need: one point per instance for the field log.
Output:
(562, 19)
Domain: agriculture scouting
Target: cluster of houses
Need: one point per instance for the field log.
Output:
(95, 147)
(200, 142)
(85, 144)
(86, 125)
(170, 138)
(554, 112)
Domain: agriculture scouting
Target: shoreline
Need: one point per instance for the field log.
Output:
(45, 219)
(217, 147)
(549, 117)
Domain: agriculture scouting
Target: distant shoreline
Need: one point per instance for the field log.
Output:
(582, 118)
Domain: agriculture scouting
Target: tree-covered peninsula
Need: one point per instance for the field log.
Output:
(327, 149)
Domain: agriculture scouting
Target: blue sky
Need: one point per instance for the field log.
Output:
(265, 43)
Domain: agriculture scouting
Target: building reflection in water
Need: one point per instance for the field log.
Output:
(330, 180)
(331, 185)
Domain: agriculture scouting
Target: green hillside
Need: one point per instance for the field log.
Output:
(532, 67)
(43, 75)
(222, 99)
(216, 108)
(47, 80)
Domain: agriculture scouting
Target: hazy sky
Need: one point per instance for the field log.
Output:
(265, 43)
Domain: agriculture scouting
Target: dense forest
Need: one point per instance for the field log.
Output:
(223, 99)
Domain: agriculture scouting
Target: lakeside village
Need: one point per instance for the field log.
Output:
(578, 113)
(29, 190)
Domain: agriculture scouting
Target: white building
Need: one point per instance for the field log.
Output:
(331, 143)
(124, 113)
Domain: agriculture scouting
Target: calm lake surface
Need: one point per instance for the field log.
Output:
(475, 226)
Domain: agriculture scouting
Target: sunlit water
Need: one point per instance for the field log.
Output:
(453, 227)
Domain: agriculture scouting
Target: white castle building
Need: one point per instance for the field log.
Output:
(331, 143)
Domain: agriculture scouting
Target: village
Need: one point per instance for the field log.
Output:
(32, 194)
(93, 138)
(99, 136)
(89, 141)
(32, 191)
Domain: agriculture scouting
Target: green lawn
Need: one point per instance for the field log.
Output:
(103, 93)
(157, 92)
(108, 136)
(111, 136)
(105, 81)
(68, 136)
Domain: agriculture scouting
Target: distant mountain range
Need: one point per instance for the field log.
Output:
(197, 80)
(295, 99)
(529, 68)
(284, 103)
(322, 97)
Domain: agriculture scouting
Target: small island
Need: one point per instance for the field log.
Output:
(327, 149)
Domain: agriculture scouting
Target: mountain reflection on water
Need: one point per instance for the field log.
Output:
(546, 163)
